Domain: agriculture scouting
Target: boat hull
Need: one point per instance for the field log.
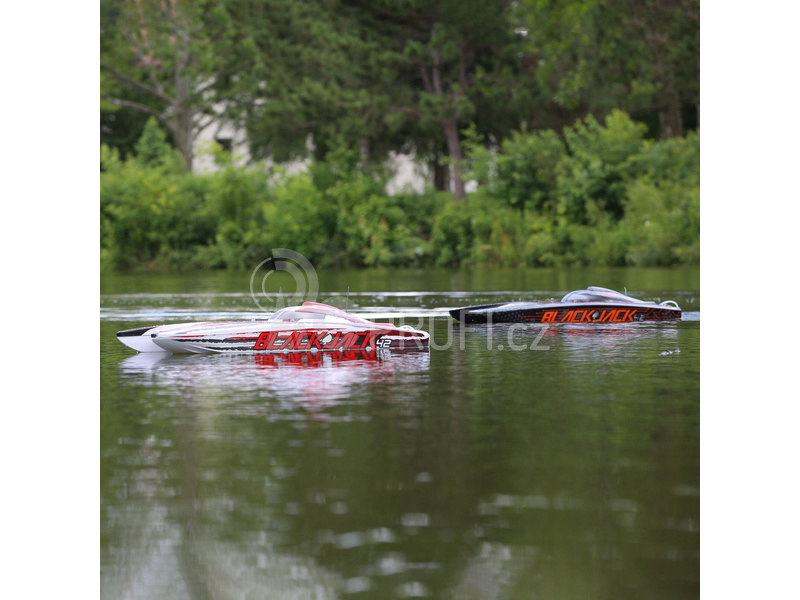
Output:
(141, 338)
(529, 312)
(246, 338)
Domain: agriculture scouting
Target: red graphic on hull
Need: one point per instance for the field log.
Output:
(316, 359)
(281, 341)
(601, 315)
(590, 315)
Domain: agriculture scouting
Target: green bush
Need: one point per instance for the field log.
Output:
(662, 223)
(161, 218)
(153, 152)
(453, 235)
(143, 213)
(482, 231)
(499, 234)
(527, 170)
(596, 167)
(523, 173)
(675, 160)
(298, 216)
(380, 230)
(541, 245)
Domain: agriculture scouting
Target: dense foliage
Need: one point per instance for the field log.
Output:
(599, 194)
(578, 120)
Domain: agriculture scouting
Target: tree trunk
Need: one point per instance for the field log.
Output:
(364, 152)
(182, 114)
(670, 119)
(434, 84)
(183, 134)
(454, 149)
(441, 176)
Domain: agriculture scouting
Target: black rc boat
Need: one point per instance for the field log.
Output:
(592, 305)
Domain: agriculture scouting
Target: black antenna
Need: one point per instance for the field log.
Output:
(347, 298)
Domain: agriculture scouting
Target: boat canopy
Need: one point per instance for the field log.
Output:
(315, 311)
(599, 294)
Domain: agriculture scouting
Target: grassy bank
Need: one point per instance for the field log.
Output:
(600, 194)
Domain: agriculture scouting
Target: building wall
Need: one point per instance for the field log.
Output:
(409, 174)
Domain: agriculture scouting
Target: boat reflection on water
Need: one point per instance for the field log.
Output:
(313, 380)
(574, 340)
(175, 535)
(582, 343)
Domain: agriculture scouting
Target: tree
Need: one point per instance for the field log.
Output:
(593, 56)
(663, 50)
(465, 52)
(446, 58)
(176, 60)
(304, 85)
(381, 75)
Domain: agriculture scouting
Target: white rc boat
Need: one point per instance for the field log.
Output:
(312, 327)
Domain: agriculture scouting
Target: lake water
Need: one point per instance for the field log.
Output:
(558, 462)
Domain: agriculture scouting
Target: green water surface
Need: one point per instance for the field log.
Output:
(558, 462)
